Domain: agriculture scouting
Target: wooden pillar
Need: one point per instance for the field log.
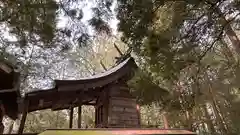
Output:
(79, 116)
(71, 117)
(96, 116)
(1, 118)
(2, 113)
(24, 116)
(1, 125)
(11, 127)
(165, 121)
(138, 115)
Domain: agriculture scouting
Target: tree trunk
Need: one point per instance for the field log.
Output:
(10, 127)
(217, 112)
(2, 112)
(221, 115)
(231, 34)
(203, 127)
(165, 121)
(208, 120)
(1, 127)
(56, 123)
(189, 120)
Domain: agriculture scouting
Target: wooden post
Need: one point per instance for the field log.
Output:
(118, 49)
(79, 116)
(24, 116)
(165, 121)
(1, 125)
(103, 66)
(71, 117)
(2, 112)
(96, 116)
(138, 115)
(11, 127)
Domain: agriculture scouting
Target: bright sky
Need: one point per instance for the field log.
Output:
(87, 15)
(86, 7)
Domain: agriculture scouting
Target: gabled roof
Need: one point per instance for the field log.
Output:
(122, 69)
(83, 90)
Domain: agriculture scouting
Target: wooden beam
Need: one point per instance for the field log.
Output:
(71, 117)
(79, 116)
(93, 104)
(67, 106)
(118, 49)
(5, 68)
(24, 116)
(103, 66)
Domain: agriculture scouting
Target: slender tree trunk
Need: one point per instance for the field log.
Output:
(204, 127)
(165, 121)
(232, 37)
(189, 120)
(222, 117)
(209, 123)
(216, 112)
(1, 127)
(2, 112)
(231, 34)
(10, 127)
(228, 53)
(56, 124)
(182, 98)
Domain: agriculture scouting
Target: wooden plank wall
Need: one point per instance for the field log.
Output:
(123, 113)
(101, 110)
(122, 108)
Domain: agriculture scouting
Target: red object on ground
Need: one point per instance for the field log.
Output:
(125, 131)
(138, 108)
(146, 132)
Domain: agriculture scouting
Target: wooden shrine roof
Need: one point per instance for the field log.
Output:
(68, 93)
(58, 100)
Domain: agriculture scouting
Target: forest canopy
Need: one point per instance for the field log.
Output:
(187, 52)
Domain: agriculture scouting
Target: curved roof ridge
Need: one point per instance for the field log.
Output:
(103, 74)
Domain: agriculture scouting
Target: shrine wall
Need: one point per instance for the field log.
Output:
(122, 108)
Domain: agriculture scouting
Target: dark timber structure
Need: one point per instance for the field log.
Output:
(9, 92)
(108, 92)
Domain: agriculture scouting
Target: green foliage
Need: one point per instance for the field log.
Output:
(188, 68)
(181, 45)
(36, 22)
(170, 35)
(30, 19)
(151, 116)
(37, 122)
(146, 90)
(154, 36)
